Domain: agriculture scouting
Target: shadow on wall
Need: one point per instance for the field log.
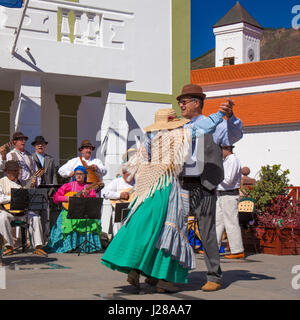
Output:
(135, 133)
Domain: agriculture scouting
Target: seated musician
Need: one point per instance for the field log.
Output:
(86, 148)
(67, 234)
(118, 189)
(11, 180)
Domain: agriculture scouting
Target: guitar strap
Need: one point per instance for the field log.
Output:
(83, 162)
(15, 157)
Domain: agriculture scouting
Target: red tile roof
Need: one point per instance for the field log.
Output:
(247, 71)
(262, 109)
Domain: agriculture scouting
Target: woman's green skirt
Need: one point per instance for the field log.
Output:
(133, 247)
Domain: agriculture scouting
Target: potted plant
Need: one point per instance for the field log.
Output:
(276, 228)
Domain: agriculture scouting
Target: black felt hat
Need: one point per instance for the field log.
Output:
(39, 139)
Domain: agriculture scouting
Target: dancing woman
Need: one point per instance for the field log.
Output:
(67, 234)
(153, 241)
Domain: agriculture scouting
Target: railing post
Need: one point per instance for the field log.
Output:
(65, 29)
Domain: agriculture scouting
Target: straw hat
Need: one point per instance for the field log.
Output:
(166, 119)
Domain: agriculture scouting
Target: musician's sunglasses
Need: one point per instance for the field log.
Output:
(79, 174)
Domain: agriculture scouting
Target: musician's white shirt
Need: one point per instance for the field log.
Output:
(34, 220)
(114, 188)
(5, 189)
(69, 166)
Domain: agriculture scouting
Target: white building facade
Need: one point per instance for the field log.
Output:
(91, 69)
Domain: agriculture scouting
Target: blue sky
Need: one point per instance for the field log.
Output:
(269, 13)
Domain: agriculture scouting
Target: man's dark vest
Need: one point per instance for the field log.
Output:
(213, 172)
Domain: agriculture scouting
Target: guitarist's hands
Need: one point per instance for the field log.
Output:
(124, 195)
(85, 192)
(33, 181)
(94, 167)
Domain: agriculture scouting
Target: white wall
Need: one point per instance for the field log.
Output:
(131, 42)
(240, 37)
(258, 149)
(152, 53)
(229, 37)
(139, 116)
(50, 124)
(89, 119)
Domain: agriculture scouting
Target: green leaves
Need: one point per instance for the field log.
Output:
(272, 182)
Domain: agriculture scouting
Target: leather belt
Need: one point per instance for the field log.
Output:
(234, 192)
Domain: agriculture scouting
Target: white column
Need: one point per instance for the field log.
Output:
(27, 109)
(114, 127)
(50, 124)
(114, 133)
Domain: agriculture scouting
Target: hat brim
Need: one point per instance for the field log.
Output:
(196, 95)
(21, 137)
(176, 123)
(35, 142)
(82, 147)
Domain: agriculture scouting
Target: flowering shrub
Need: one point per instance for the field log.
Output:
(273, 208)
(280, 213)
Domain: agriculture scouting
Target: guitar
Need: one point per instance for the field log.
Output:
(92, 176)
(6, 206)
(79, 194)
(7, 145)
(130, 199)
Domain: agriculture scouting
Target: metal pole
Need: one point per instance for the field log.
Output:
(19, 27)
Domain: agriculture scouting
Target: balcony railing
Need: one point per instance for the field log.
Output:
(70, 23)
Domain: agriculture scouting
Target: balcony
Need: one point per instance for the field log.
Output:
(71, 33)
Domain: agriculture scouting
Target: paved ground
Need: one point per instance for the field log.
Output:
(73, 277)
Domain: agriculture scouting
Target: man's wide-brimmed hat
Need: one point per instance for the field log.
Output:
(166, 119)
(39, 139)
(193, 90)
(86, 143)
(18, 135)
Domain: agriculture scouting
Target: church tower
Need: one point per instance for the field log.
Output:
(238, 37)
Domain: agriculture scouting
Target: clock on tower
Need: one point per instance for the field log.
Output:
(251, 54)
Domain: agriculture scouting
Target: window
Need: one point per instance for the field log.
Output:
(228, 61)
